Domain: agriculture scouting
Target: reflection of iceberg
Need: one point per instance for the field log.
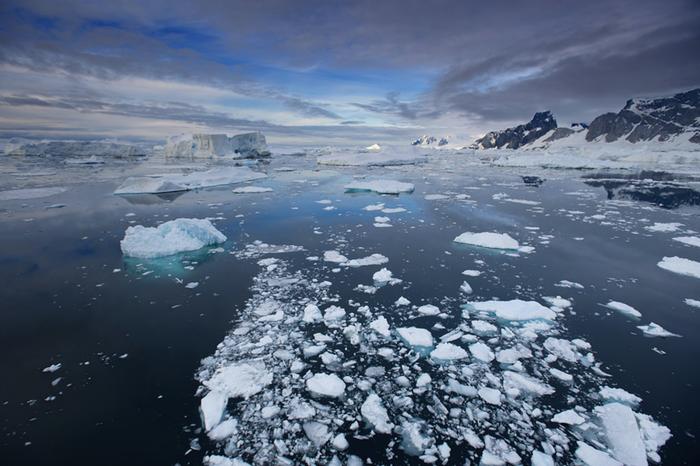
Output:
(179, 182)
(175, 265)
(150, 199)
(658, 188)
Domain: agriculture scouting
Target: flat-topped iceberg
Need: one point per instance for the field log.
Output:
(173, 237)
(79, 149)
(488, 240)
(381, 186)
(248, 145)
(515, 310)
(155, 184)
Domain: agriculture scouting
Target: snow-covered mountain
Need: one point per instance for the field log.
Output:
(430, 141)
(670, 119)
(513, 138)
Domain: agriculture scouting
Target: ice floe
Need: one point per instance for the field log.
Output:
(155, 184)
(681, 266)
(172, 237)
(623, 308)
(381, 186)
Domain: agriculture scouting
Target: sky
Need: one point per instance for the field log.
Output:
(327, 72)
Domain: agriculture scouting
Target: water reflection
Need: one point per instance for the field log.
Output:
(666, 190)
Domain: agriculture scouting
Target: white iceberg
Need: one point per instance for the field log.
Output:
(623, 308)
(246, 145)
(488, 240)
(515, 310)
(681, 266)
(656, 330)
(381, 186)
(622, 434)
(173, 237)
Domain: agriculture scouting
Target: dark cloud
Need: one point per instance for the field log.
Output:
(492, 62)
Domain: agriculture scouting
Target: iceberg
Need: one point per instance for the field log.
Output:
(173, 237)
(623, 308)
(515, 310)
(622, 433)
(155, 184)
(79, 149)
(681, 266)
(488, 240)
(381, 186)
(248, 145)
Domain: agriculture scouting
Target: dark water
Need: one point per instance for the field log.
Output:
(63, 303)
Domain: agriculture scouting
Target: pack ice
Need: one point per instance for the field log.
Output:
(172, 237)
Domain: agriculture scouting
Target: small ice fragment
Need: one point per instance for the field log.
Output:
(481, 352)
(52, 368)
(192, 285)
(428, 310)
(448, 352)
(328, 385)
(375, 414)
(490, 395)
(569, 417)
(656, 330)
(623, 308)
(381, 326)
(488, 240)
(414, 336)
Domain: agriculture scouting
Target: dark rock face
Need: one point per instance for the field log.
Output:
(646, 120)
(512, 138)
(560, 133)
(430, 141)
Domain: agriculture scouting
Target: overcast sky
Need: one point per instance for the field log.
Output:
(333, 71)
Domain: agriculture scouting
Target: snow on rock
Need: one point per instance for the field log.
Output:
(680, 266)
(172, 237)
(414, 336)
(329, 385)
(623, 308)
(622, 434)
(488, 240)
(381, 186)
(375, 414)
(246, 145)
(656, 330)
(515, 310)
(155, 184)
(448, 352)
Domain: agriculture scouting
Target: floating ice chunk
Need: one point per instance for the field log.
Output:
(384, 276)
(251, 190)
(381, 326)
(619, 395)
(415, 437)
(692, 302)
(515, 310)
(561, 348)
(435, 197)
(373, 148)
(375, 414)
(592, 457)
(623, 308)
(269, 412)
(223, 430)
(522, 383)
(423, 380)
(52, 368)
(328, 385)
(217, 460)
(510, 356)
(541, 459)
(689, 240)
(448, 352)
(428, 310)
(374, 259)
(656, 330)
(333, 314)
(680, 266)
(465, 390)
(382, 219)
(340, 442)
(622, 434)
(568, 284)
(490, 395)
(488, 240)
(335, 257)
(466, 288)
(569, 417)
(402, 301)
(175, 236)
(316, 432)
(664, 227)
(654, 435)
(414, 336)
(482, 327)
(561, 375)
(471, 273)
(171, 183)
(192, 285)
(497, 452)
(240, 379)
(557, 301)
(301, 410)
(29, 193)
(481, 352)
(373, 207)
(381, 186)
(312, 314)
(212, 407)
(393, 210)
